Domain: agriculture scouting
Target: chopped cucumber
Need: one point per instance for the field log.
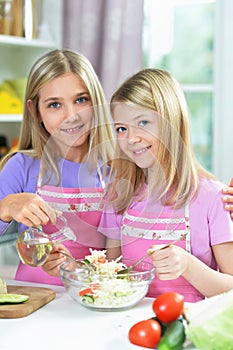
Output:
(88, 299)
(121, 294)
(9, 298)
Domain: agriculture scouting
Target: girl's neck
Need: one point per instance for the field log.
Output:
(150, 174)
(74, 154)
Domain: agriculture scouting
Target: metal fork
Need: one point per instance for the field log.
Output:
(80, 263)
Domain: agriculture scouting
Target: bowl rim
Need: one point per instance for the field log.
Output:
(132, 273)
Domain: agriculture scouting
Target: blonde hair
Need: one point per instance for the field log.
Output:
(157, 90)
(33, 136)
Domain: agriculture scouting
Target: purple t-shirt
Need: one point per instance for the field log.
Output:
(210, 223)
(20, 174)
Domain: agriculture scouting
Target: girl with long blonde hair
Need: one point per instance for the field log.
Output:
(62, 160)
(158, 192)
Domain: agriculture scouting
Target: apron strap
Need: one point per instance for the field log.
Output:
(100, 176)
(187, 223)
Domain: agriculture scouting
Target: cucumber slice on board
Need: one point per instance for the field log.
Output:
(9, 298)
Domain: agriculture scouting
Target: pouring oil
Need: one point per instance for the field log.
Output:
(34, 251)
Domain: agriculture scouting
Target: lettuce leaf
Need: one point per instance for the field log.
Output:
(210, 325)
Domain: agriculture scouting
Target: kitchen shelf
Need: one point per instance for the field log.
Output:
(17, 54)
(11, 41)
(10, 118)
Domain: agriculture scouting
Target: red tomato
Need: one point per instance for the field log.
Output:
(168, 306)
(85, 291)
(145, 333)
(90, 290)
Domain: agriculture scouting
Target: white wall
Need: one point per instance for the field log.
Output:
(223, 111)
(52, 14)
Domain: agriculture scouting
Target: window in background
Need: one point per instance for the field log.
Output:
(179, 37)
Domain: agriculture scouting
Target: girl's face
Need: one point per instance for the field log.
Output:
(66, 111)
(137, 133)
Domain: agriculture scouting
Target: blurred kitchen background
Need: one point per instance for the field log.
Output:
(190, 38)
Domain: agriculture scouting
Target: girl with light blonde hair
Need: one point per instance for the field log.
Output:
(159, 192)
(65, 145)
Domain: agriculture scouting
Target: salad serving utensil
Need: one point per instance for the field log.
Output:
(79, 262)
(129, 269)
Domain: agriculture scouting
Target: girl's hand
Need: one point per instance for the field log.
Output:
(228, 199)
(54, 261)
(170, 262)
(26, 208)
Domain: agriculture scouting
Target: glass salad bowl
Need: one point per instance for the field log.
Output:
(99, 287)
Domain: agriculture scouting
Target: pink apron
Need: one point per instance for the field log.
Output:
(139, 232)
(81, 208)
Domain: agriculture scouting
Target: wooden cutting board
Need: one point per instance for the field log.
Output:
(38, 297)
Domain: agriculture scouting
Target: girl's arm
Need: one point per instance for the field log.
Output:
(55, 259)
(228, 197)
(208, 281)
(113, 248)
(172, 262)
(26, 208)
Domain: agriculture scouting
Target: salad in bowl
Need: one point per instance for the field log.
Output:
(97, 284)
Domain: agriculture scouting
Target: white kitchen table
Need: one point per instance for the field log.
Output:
(64, 324)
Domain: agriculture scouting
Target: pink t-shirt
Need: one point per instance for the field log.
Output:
(210, 223)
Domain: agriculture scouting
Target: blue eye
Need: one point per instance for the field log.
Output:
(120, 129)
(143, 123)
(54, 105)
(81, 99)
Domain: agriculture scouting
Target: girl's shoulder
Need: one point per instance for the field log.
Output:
(22, 159)
(20, 163)
(19, 174)
(208, 186)
(209, 193)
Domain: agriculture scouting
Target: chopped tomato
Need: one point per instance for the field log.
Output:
(102, 260)
(90, 290)
(95, 286)
(85, 291)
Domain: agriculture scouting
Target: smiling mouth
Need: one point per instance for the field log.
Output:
(73, 130)
(142, 150)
